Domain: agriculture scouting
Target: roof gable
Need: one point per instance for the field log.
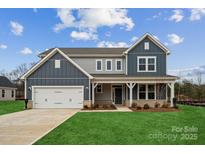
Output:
(151, 38)
(5, 82)
(42, 61)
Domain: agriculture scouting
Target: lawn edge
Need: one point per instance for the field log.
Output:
(32, 143)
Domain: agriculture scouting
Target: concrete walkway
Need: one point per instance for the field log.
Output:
(28, 126)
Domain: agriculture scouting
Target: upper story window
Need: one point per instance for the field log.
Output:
(118, 65)
(99, 88)
(146, 64)
(108, 65)
(3, 93)
(146, 45)
(57, 63)
(99, 65)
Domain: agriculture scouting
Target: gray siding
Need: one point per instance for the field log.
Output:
(89, 65)
(48, 75)
(8, 92)
(105, 95)
(153, 51)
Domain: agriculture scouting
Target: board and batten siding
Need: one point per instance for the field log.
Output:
(154, 50)
(66, 75)
(89, 65)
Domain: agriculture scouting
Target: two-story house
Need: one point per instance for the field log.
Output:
(73, 77)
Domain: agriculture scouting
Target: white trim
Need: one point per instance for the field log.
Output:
(116, 60)
(101, 85)
(97, 60)
(146, 91)
(25, 89)
(146, 45)
(33, 87)
(153, 39)
(114, 92)
(35, 67)
(146, 63)
(110, 60)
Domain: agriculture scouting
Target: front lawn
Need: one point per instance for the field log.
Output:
(184, 127)
(11, 106)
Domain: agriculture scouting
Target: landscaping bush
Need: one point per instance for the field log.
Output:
(134, 105)
(165, 105)
(112, 106)
(139, 107)
(157, 105)
(96, 106)
(85, 107)
(146, 106)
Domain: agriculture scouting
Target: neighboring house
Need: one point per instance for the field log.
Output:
(73, 77)
(7, 89)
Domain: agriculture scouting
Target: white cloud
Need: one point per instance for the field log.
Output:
(166, 43)
(83, 35)
(26, 51)
(177, 16)
(197, 14)
(16, 28)
(175, 39)
(89, 20)
(134, 38)
(112, 44)
(3, 46)
(108, 34)
(35, 10)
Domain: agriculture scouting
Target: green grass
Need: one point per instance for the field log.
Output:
(11, 106)
(129, 128)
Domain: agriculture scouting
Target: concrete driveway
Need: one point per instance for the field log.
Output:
(28, 126)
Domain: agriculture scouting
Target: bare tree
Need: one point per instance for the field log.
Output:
(17, 72)
(199, 84)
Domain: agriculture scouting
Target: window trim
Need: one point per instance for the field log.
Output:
(146, 63)
(57, 63)
(146, 44)
(106, 64)
(116, 64)
(96, 66)
(101, 85)
(146, 91)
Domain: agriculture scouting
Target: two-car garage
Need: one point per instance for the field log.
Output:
(57, 96)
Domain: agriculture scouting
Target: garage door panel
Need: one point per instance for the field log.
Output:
(58, 97)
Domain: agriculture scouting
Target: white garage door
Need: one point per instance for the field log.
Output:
(58, 97)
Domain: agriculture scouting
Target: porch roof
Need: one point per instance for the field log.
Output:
(123, 78)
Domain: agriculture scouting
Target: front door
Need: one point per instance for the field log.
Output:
(118, 95)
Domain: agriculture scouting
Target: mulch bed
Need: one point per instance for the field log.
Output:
(155, 110)
(100, 108)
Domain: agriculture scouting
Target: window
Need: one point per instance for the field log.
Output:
(57, 63)
(108, 65)
(99, 88)
(118, 65)
(146, 91)
(151, 92)
(12, 93)
(142, 91)
(146, 64)
(3, 94)
(99, 65)
(146, 45)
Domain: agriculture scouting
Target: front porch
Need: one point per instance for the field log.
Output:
(125, 93)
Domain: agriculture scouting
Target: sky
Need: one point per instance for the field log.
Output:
(24, 33)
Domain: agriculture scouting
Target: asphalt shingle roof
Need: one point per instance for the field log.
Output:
(5, 82)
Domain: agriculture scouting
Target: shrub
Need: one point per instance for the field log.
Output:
(105, 106)
(134, 105)
(139, 107)
(85, 107)
(165, 105)
(96, 106)
(112, 106)
(146, 106)
(157, 105)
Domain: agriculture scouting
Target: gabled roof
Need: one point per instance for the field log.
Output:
(87, 51)
(153, 39)
(51, 53)
(5, 82)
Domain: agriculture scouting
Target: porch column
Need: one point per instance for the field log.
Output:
(94, 85)
(130, 86)
(171, 85)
